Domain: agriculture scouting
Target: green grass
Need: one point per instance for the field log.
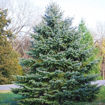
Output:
(101, 95)
(11, 99)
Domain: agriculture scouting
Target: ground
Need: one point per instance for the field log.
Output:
(8, 98)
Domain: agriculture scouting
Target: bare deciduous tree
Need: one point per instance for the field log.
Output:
(23, 16)
(100, 43)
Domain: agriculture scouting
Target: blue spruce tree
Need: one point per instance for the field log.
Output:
(58, 74)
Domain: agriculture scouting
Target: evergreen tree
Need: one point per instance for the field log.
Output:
(86, 35)
(8, 57)
(87, 39)
(58, 74)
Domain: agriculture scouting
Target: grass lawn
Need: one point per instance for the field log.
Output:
(11, 99)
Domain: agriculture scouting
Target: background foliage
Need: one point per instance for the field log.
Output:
(9, 63)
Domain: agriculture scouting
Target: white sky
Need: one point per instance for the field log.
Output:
(92, 11)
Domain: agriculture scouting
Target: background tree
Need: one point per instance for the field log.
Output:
(99, 42)
(20, 13)
(23, 16)
(8, 57)
(87, 39)
(21, 45)
(59, 71)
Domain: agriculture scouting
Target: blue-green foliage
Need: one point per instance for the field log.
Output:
(58, 75)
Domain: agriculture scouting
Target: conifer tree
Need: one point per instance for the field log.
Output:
(58, 74)
(87, 39)
(8, 57)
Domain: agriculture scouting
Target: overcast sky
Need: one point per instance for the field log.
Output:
(92, 11)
